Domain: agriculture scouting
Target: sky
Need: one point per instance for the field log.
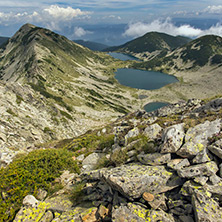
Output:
(111, 20)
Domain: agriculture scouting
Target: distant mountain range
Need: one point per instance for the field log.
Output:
(95, 46)
(204, 51)
(151, 45)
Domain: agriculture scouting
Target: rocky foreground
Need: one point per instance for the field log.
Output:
(161, 166)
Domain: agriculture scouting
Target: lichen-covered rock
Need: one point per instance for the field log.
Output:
(133, 180)
(48, 217)
(152, 131)
(196, 138)
(201, 180)
(177, 164)
(31, 214)
(202, 157)
(154, 159)
(124, 214)
(204, 169)
(59, 203)
(205, 207)
(214, 179)
(159, 202)
(172, 138)
(216, 148)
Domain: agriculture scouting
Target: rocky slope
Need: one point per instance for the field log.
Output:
(151, 45)
(204, 51)
(159, 166)
(52, 88)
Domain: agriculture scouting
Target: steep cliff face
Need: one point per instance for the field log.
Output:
(52, 88)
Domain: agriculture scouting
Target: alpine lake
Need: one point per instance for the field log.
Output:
(141, 79)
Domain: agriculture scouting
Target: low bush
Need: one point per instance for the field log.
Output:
(26, 174)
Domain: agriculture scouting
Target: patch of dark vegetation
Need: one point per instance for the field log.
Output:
(26, 174)
(42, 90)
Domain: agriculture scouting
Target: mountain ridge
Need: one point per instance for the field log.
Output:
(56, 88)
(151, 45)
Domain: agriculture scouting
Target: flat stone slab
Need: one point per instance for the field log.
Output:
(205, 169)
(154, 159)
(135, 179)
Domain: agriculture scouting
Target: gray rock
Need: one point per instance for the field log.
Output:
(214, 179)
(205, 208)
(59, 203)
(48, 217)
(216, 148)
(41, 194)
(159, 202)
(91, 161)
(154, 158)
(201, 180)
(204, 169)
(215, 189)
(172, 139)
(196, 138)
(134, 212)
(30, 201)
(186, 219)
(220, 167)
(177, 164)
(213, 105)
(202, 157)
(152, 131)
(132, 133)
(133, 180)
(123, 213)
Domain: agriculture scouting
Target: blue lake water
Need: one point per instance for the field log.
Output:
(154, 106)
(142, 79)
(122, 56)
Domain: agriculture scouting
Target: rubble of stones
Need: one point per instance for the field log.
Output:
(179, 181)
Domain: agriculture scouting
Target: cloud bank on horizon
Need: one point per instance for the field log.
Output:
(67, 18)
(139, 28)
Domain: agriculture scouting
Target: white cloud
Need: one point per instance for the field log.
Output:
(79, 32)
(139, 29)
(213, 9)
(64, 13)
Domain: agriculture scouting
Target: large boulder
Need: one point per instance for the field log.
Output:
(134, 179)
(196, 138)
(172, 138)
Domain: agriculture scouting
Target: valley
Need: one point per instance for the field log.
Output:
(76, 145)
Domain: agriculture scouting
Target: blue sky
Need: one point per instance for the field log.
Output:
(72, 17)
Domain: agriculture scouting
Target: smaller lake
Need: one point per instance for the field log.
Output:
(142, 79)
(154, 106)
(122, 56)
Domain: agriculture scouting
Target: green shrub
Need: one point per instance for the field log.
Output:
(27, 173)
